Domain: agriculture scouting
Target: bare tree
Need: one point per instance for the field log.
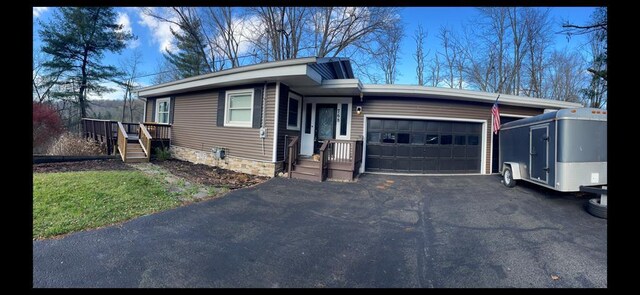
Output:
(388, 50)
(434, 71)
(564, 76)
(227, 24)
(538, 33)
(595, 94)
(451, 58)
(42, 84)
(420, 36)
(336, 28)
(280, 30)
(130, 68)
(517, 33)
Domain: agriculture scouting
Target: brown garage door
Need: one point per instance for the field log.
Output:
(423, 146)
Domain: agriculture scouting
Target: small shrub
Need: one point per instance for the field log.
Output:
(47, 125)
(163, 153)
(69, 144)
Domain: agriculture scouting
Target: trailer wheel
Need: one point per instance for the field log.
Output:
(507, 177)
(595, 209)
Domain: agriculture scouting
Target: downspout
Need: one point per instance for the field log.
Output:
(275, 124)
(264, 112)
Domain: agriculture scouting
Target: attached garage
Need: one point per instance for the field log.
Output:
(423, 146)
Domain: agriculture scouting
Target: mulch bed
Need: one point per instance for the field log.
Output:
(197, 173)
(92, 165)
(207, 175)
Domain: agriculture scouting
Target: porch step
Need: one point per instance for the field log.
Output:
(308, 163)
(305, 175)
(136, 159)
(307, 169)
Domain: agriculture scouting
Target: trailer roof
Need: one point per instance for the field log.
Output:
(589, 114)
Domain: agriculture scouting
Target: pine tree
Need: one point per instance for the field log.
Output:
(188, 60)
(76, 39)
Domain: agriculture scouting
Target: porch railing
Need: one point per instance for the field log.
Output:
(324, 159)
(122, 141)
(158, 130)
(347, 152)
(106, 132)
(145, 140)
(103, 131)
(292, 153)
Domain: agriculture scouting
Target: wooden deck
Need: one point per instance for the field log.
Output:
(135, 142)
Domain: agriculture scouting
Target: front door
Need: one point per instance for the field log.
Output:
(325, 124)
(324, 118)
(539, 150)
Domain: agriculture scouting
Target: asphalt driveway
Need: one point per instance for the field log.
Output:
(383, 231)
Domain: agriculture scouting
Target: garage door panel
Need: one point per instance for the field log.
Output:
(417, 151)
(403, 151)
(423, 146)
(459, 152)
(432, 152)
(445, 152)
(387, 150)
(472, 151)
(374, 150)
(403, 164)
(374, 124)
(416, 165)
(430, 165)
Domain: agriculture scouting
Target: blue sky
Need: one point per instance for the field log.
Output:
(153, 36)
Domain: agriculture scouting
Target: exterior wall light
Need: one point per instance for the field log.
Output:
(359, 110)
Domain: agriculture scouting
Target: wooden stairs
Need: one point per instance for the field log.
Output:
(134, 148)
(306, 168)
(135, 153)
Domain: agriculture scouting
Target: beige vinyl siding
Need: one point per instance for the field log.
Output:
(194, 126)
(421, 107)
(149, 115)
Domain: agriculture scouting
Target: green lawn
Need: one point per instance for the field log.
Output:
(71, 201)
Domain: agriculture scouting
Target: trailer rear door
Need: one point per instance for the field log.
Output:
(539, 153)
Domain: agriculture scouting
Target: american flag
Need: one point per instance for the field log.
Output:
(495, 113)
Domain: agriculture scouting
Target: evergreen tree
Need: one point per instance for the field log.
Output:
(188, 61)
(76, 39)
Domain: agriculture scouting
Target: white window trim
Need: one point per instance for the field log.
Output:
(338, 119)
(228, 123)
(299, 99)
(158, 101)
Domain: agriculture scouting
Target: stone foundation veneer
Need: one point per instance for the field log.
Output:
(229, 162)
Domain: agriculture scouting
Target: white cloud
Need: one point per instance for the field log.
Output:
(160, 30)
(38, 11)
(123, 19)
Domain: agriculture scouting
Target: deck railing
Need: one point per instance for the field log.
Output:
(292, 153)
(158, 130)
(345, 152)
(122, 141)
(145, 140)
(103, 131)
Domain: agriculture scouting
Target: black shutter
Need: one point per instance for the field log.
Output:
(257, 107)
(172, 107)
(220, 114)
(153, 110)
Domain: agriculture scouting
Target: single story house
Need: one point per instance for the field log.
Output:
(312, 117)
